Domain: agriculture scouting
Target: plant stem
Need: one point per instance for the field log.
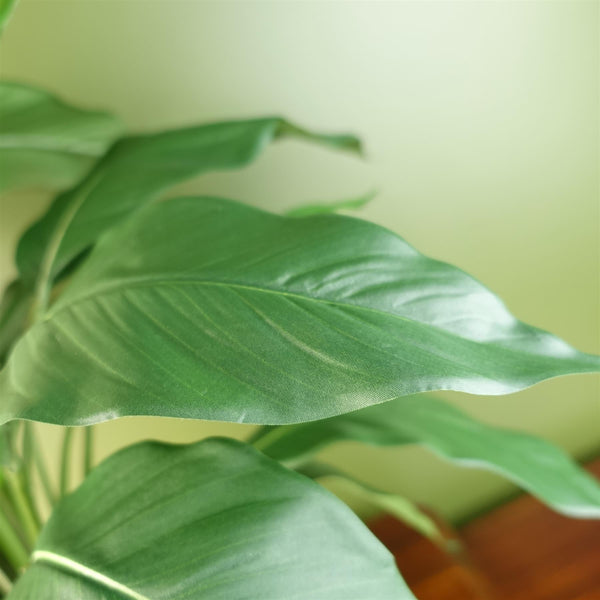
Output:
(8, 510)
(11, 545)
(40, 465)
(88, 457)
(262, 436)
(27, 471)
(65, 461)
(5, 583)
(21, 504)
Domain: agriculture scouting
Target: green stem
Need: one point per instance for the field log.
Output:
(10, 516)
(40, 465)
(5, 583)
(11, 545)
(8, 510)
(263, 436)
(65, 462)
(21, 505)
(27, 471)
(88, 458)
(31, 503)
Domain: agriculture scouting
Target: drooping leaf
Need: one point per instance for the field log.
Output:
(136, 171)
(234, 314)
(215, 520)
(534, 464)
(401, 508)
(325, 208)
(45, 142)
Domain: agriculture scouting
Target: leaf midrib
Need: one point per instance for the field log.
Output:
(140, 283)
(71, 566)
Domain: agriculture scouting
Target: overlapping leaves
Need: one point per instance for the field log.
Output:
(215, 520)
(530, 462)
(134, 172)
(44, 141)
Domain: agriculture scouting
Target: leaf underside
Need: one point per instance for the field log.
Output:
(215, 520)
(209, 309)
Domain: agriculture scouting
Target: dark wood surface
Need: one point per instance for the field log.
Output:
(519, 551)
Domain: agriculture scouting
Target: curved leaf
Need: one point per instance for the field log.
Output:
(258, 318)
(235, 314)
(534, 464)
(401, 508)
(325, 208)
(215, 520)
(44, 141)
(134, 172)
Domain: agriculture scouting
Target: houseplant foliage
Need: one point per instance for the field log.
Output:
(317, 326)
(47, 142)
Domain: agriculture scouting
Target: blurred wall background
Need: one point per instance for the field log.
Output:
(481, 126)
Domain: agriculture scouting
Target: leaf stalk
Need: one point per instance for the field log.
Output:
(11, 546)
(20, 502)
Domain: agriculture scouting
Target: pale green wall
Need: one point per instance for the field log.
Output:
(481, 124)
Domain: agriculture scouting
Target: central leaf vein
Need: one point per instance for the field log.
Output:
(71, 566)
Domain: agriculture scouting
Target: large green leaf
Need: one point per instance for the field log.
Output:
(215, 520)
(44, 141)
(532, 463)
(209, 309)
(135, 171)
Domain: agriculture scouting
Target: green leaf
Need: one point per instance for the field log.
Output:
(534, 464)
(401, 508)
(209, 309)
(324, 208)
(45, 142)
(136, 171)
(215, 520)
(7, 8)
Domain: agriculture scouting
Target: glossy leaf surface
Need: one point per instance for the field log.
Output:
(534, 464)
(46, 142)
(215, 520)
(136, 171)
(209, 309)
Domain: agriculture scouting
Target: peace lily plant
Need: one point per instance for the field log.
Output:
(319, 327)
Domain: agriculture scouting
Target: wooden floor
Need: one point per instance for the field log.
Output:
(520, 551)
